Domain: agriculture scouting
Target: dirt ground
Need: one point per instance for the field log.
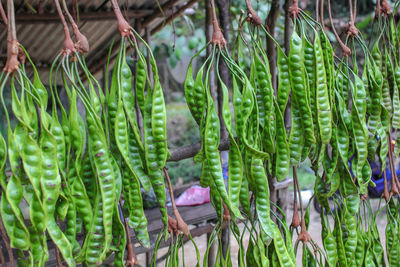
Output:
(314, 230)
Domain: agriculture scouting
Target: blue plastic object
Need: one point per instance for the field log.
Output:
(225, 170)
(377, 191)
(377, 178)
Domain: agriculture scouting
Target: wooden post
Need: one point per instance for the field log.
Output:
(223, 14)
(149, 257)
(271, 50)
(212, 252)
(282, 195)
(209, 32)
(288, 33)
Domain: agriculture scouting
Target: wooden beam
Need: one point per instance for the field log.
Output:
(178, 13)
(190, 151)
(88, 16)
(95, 67)
(158, 13)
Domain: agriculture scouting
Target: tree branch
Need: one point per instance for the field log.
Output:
(190, 151)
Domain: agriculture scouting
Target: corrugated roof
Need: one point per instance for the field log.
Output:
(42, 34)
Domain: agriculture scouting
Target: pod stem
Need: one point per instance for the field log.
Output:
(386, 194)
(172, 225)
(123, 25)
(304, 236)
(58, 257)
(217, 37)
(295, 219)
(82, 44)
(377, 9)
(131, 259)
(345, 49)
(69, 47)
(294, 9)
(12, 43)
(181, 225)
(385, 8)
(3, 14)
(351, 27)
(252, 16)
(395, 182)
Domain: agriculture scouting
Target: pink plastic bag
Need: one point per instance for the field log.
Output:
(195, 195)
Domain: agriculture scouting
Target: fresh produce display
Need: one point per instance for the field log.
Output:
(81, 174)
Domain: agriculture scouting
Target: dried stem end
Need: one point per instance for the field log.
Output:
(123, 26)
(351, 29)
(252, 16)
(295, 219)
(82, 44)
(304, 236)
(294, 9)
(21, 55)
(217, 37)
(172, 225)
(69, 46)
(12, 56)
(226, 216)
(385, 8)
(385, 194)
(364, 197)
(131, 259)
(182, 227)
